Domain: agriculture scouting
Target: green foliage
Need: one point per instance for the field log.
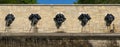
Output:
(18, 1)
(97, 2)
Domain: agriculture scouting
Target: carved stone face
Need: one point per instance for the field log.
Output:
(84, 18)
(9, 19)
(34, 18)
(109, 18)
(59, 19)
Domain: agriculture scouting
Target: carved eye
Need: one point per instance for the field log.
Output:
(9, 19)
(109, 18)
(84, 18)
(34, 18)
(59, 19)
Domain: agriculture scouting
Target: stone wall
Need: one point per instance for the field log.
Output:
(48, 12)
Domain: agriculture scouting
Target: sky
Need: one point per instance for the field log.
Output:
(56, 1)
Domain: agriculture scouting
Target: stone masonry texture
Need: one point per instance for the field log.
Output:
(71, 12)
(21, 24)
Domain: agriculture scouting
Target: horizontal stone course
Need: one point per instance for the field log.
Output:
(71, 12)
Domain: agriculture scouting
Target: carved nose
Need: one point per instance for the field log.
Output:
(9, 19)
(34, 18)
(109, 18)
(84, 18)
(59, 19)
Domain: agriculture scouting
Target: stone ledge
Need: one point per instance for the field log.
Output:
(74, 36)
(63, 34)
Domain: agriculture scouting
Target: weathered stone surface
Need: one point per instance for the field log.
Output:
(21, 24)
(71, 12)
